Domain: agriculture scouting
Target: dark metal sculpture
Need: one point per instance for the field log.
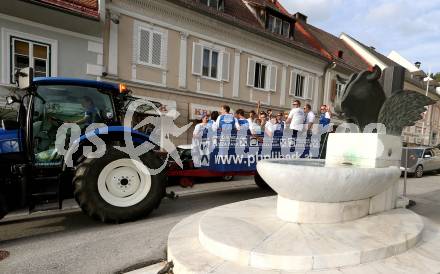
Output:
(363, 101)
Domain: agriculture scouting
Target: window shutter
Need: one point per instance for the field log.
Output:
(156, 51)
(306, 86)
(251, 72)
(333, 90)
(293, 76)
(273, 78)
(225, 66)
(310, 87)
(144, 46)
(197, 59)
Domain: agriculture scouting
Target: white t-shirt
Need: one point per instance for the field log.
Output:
(270, 128)
(198, 130)
(310, 118)
(255, 128)
(297, 116)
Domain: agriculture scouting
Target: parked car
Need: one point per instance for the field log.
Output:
(427, 159)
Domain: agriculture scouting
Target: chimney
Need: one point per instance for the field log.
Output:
(300, 17)
(417, 64)
(373, 48)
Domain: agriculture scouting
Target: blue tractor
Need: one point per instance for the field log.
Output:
(111, 186)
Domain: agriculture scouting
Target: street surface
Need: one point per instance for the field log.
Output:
(70, 242)
(73, 243)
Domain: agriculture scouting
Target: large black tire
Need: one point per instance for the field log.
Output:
(3, 206)
(87, 194)
(260, 182)
(418, 173)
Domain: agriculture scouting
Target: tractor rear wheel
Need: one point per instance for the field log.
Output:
(115, 188)
(3, 206)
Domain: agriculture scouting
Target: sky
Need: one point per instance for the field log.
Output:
(412, 28)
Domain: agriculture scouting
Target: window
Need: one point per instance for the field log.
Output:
(286, 28)
(27, 53)
(302, 84)
(340, 87)
(299, 90)
(210, 63)
(65, 103)
(434, 140)
(278, 26)
(217, 4)
(262, 75)
(150, 46)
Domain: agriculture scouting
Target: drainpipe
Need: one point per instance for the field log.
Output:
(331, 65)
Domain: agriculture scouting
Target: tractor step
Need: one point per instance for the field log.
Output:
(45, 207)
(42, 195)
(46, 179)
(45, 190)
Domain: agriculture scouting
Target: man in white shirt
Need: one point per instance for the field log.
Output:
(308, 125)
(200, 128)
(270, 127)
(252, 117)
(296, 118)
(309, 118)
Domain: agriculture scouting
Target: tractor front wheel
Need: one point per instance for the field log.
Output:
(115, 188)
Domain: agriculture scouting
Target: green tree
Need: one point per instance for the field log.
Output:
(436, 76)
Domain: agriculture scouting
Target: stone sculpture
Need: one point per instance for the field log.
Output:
(363, 101)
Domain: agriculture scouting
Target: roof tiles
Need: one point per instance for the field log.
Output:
(86, 8)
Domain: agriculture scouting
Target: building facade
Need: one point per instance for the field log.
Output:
(56, 38)
(193, 57)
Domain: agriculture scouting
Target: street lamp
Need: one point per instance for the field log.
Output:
(428, 79)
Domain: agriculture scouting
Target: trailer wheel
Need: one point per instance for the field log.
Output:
(115, 188)
(227, 178)
(260, 182)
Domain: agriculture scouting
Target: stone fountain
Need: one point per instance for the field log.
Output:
(338, 215)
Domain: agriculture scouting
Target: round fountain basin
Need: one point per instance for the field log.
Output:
(310, 180)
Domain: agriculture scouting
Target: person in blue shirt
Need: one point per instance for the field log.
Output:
(226, 120)
(242, 121)
(91, 112)
(324, 120)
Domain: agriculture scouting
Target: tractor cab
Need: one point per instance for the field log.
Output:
(48, 103)
(35, 162)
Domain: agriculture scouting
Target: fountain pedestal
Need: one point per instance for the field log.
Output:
(358, 177)
(337, 215)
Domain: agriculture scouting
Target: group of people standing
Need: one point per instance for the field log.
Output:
(300, 121)
(266, 122)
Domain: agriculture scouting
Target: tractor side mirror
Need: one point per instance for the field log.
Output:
(25, 77)
(12, 99)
